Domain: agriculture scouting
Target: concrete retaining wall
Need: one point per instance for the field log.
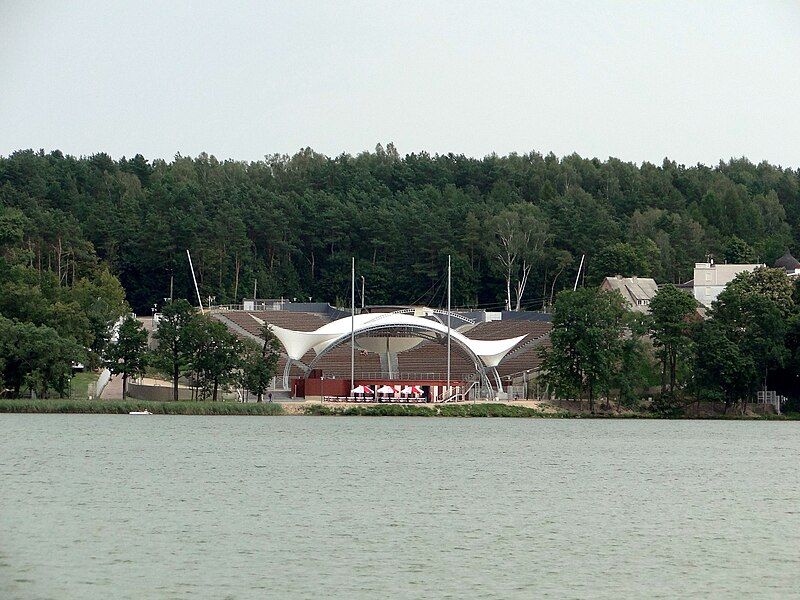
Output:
(156, 393)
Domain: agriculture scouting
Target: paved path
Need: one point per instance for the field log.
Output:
(113, 389)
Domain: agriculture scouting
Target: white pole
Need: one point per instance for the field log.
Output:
(575, 287)
(449, 391)
(362, 293)
(196, 289)
(352, 323)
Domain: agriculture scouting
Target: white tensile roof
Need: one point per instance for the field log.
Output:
(297, 343)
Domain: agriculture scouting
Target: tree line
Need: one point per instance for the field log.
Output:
(749, 341)
(286, 226)
(201, 350)
(196, 348)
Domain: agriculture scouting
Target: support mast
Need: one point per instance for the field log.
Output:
(196, 289)
(577, 279)
(352, 323)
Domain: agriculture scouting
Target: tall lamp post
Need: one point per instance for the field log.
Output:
(449, 389)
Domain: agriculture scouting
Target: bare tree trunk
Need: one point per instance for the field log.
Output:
(508, 289)
(175, 375)
(58, 255)
(523, 281)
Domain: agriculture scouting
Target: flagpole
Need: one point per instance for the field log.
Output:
(449, 391)
(353, 323)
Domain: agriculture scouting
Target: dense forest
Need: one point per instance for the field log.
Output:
(516, 226)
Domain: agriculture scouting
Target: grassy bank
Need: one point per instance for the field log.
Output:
(126, 406)
(67, 405)
(445, 410)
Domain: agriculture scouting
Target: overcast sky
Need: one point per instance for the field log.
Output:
(695, 81)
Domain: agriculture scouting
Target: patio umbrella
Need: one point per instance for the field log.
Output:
(386, 389)
(407, 390)
(360, 389)
(416, 390)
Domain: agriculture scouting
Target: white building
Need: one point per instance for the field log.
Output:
(710, 279)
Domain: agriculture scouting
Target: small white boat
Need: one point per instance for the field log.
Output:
(140, 412)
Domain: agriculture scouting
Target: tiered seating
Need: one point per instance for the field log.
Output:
(525, 355)
(298, 321)
(431, 357)
(337, 362)
(499, 330)
(527, 358)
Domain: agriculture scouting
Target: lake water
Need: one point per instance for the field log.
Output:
(106, 506)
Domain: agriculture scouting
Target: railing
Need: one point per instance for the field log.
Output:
(770, 397)
(414, 375)
(225, 307)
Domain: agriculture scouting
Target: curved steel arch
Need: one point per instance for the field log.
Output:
(437, 311)
(431, 334)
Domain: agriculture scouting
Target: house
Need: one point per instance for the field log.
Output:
(710, 279)
(788, 263)
(637, 291)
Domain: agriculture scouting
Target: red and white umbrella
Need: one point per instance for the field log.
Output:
(386, 389)
(361, 389)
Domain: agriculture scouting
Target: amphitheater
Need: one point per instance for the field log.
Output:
(493, 354)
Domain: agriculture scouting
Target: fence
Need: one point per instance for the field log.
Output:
(770, 397)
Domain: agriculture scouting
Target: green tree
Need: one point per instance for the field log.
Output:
(587, 329)
(737, 251)
(756, 324)
(772, 284)
(173, 353)
(722, 371)
(260, 363)
(128, 355)
(671, 313)
(35, 358)
(618, 259)
(215, 355)
(634, 370)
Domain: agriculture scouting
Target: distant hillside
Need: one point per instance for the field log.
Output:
(516, 226)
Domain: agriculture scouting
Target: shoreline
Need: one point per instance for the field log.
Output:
(463, 410)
